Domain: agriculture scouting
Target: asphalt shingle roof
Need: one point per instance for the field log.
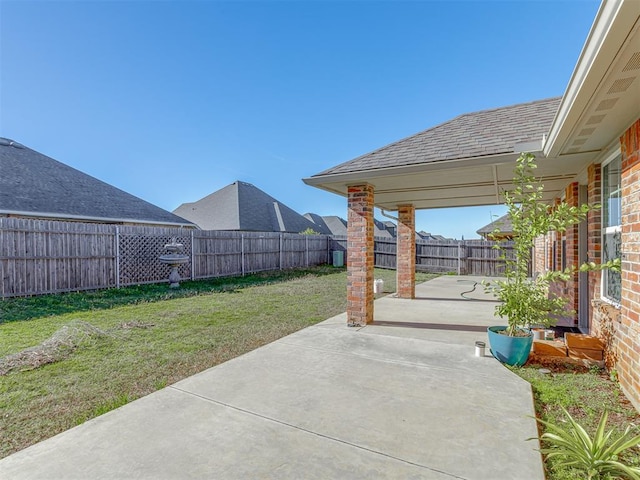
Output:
(488, 132)
(35, 184)
(334, 225)
(503, 224)
(242, 206)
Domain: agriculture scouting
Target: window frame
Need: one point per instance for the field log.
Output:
(606, 230)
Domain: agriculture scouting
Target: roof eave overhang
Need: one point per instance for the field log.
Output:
(613, 22)
(364, 176)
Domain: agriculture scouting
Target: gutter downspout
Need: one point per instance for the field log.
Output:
(385, 214)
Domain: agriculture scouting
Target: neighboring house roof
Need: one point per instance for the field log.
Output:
(242, 206)
(478, 134)
(428, 236)
(503, 224)
(335, 225)
(331, 224)
(384, 229)
(34, 185)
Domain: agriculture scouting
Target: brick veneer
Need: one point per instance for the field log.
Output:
(571, 249)
(406, 252)
(559, 287)
(628, 332)
(594, 226)
(540, 255)
(360, 255)
(618, 327)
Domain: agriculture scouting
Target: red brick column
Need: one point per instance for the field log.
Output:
(594, 230)
(628, 334)
(360, 255)
(406, 252)
(571, 248)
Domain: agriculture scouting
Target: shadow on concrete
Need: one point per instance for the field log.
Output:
(462, 299)
(432, 326)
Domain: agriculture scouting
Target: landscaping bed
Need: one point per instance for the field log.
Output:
(584, 391)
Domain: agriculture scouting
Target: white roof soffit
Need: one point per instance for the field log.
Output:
(455, 183)
(603, 95)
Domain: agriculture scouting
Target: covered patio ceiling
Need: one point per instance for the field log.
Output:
(469, 161)
(458, 183)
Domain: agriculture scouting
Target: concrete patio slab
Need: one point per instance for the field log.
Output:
(328, 401)
(449, 309)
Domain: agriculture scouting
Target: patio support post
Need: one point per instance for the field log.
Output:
(360, 255)
(406, 253)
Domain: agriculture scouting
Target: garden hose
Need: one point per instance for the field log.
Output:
(475, 284)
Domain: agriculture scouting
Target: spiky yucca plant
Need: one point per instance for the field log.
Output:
(598, 456)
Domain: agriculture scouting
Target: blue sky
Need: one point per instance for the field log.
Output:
(172, 100)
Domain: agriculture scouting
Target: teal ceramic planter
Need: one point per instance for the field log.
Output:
(510, 350)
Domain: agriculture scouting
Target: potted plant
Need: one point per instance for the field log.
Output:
(526, 301)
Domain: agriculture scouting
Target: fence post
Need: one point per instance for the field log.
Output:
(329, 250)
(306, 246)
(462, 258)
(2, 260)
(193, 257)
(117, 256)
(280, 259)
(242, 252)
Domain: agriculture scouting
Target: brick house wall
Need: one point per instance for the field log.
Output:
(628, 331)
(540, 254)
(619, 327)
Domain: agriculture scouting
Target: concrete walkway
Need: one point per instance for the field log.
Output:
(402, 398)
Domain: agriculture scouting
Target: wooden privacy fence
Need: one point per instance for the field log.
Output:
(46, 256)
(221, 253)
(463, 257)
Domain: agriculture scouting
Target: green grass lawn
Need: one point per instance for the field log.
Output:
(118, 345)
(584, 393)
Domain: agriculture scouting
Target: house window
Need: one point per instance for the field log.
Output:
(611, 226)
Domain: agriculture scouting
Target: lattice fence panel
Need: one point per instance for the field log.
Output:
(139, 258)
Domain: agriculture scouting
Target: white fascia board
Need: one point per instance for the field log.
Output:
(611, 26)
(364, 175)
